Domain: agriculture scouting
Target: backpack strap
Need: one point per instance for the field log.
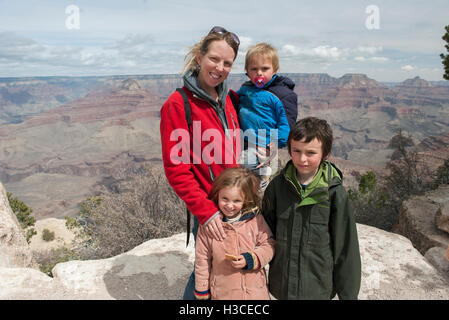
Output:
(187, 108)
(234, 99)
(188, 113)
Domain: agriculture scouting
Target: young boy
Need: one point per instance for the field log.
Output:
(308, 211)
(267, 102)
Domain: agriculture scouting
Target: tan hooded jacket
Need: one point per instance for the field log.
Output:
(251, 237)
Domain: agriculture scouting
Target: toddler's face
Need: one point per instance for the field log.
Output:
(260, 67)
(306, 157)
(230, 201)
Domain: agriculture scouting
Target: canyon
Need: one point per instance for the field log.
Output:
(62, 138)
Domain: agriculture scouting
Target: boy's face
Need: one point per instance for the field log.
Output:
(306, 157)
(260, 67)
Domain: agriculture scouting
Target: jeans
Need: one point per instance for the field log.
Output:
(188, 291)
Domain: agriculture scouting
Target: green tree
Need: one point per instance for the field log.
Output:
(370, 203)
(445, 58)
(368, 182)
(442, 175)
(23, 214)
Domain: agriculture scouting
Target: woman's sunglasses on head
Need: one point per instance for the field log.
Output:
(221, 30)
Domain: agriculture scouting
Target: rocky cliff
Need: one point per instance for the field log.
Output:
(14, 250)
(425, 221)
(159, 268)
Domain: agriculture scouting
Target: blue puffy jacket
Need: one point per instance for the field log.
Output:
(261, 109)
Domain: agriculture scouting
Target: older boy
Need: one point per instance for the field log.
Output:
(307, 208)
(267, 105)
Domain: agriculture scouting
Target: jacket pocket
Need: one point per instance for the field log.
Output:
(319, 226)
(283, 225)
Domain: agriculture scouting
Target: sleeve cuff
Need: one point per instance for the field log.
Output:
(202, 295)
(252, 261)
(213, 216)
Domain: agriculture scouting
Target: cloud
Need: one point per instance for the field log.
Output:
(368, 50)
(371, 59)
(133, 53)
(245, 43)
(132, 43)
(408, 68)
(324, 53)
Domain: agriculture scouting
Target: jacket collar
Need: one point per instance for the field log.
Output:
(191, 82)
(249, 83)
(316, 191)
(246, 215)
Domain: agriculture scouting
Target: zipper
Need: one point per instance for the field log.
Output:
(293, 187)
(212, 176)
(234, 154)
(289, 242)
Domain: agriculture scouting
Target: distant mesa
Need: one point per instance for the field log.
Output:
(416, 82)
(130, 85)
(357, 80)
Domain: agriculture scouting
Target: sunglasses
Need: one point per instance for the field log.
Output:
(221, 30)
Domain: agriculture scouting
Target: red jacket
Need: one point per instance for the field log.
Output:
(193, 159)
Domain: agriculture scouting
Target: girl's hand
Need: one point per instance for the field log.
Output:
(240, 263)
(215, 229)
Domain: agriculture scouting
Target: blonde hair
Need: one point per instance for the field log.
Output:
(265, 50)
(202, 47)
(241, 178)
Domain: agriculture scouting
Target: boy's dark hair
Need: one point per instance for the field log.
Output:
(310, 128)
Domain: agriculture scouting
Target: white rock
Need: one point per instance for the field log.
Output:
(30, 284)
(393, 269)
(14, 250)
(436, 256)
(156, 269)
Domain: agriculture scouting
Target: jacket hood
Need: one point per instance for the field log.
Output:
(283, 81)
(191, 82)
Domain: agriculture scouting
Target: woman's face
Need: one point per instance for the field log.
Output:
(215, 65)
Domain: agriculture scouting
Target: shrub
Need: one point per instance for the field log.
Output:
(23, 214)
(442, 175)
(48, 259)
(48, 235)
(370, 203)
(145, 208)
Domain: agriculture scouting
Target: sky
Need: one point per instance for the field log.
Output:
(389, 41)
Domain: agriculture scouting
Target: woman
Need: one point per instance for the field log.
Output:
(194, 155)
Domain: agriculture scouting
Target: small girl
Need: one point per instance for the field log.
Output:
(233, 269)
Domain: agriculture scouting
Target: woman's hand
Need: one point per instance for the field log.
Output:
(215, 228)
(240, 263)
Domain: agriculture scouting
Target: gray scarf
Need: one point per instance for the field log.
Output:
(191, 82)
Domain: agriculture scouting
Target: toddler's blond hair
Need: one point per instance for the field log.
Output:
(265, 50)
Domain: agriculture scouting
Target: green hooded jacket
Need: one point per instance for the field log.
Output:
(317, 250)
